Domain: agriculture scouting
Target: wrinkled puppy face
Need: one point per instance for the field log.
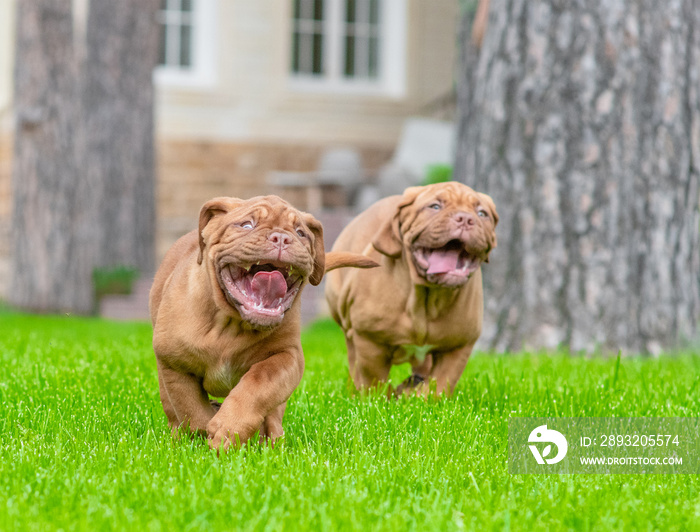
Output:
(260, 252)
(445, 231)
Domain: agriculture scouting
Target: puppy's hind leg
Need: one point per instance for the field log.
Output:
(448, 369)
(369, 363)
(420, 373)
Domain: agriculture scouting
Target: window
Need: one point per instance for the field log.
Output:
(361, 29)
(307, 40)
(349, 44)
(175, 17)
(186, 42)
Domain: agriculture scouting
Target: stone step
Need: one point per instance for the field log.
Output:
(133, 306)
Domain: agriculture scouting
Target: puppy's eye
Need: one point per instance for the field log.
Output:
(301, 233)
(247, 225)
(482, 213)
(435, 206)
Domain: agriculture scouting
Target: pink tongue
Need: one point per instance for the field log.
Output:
(441, 261)
(268, 287)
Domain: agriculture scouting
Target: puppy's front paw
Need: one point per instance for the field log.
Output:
(222, 433)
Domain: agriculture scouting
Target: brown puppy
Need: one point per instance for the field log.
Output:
(225, 308)
(425, 304)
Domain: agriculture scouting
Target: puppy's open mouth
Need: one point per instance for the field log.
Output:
(450, 264)
(262, 293)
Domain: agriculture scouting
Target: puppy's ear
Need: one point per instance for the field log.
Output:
(319, 251)
(388, 240)
(491, 206)
(209, 210)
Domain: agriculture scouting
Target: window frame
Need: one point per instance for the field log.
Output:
(391, 80)
(202, 72)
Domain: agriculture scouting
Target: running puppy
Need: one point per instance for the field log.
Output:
(425, 304)
(226, 317)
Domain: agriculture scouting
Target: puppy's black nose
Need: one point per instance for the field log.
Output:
(464, 218)
(281, 240)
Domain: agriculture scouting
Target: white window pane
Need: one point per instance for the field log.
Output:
(373, 67)
(176, 39)
(350, 11)
(318, 54)
(349, 56)
(185, 45)
(308, 37)
(344, 44)
(374, 11)
(305, 53)
(296, 53)
(361, 57)
(318, 10)
(162, 44)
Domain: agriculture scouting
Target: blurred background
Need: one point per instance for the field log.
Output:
(118, 120)
(329, 103)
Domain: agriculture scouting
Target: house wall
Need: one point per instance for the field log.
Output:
(253, 97)
(222, 136)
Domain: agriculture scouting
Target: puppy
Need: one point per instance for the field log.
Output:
(226, 318)
(425, 304)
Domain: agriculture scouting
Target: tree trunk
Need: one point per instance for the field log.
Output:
(122, 45)
(582, 120)
(83, 174)
(49, 228)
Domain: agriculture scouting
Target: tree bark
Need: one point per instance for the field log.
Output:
(49, 223)
(83, 175)
(122, 45)
(582, 120)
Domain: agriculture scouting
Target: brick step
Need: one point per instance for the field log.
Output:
(133, 306)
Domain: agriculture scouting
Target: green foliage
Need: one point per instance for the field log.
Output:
(117, 280)
(469, 5)
(437, 173)
(84, 444)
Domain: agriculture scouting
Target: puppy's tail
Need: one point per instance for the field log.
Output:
(344, 259)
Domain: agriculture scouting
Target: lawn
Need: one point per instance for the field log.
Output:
(85, 445)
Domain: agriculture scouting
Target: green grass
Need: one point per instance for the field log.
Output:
(84, 444)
